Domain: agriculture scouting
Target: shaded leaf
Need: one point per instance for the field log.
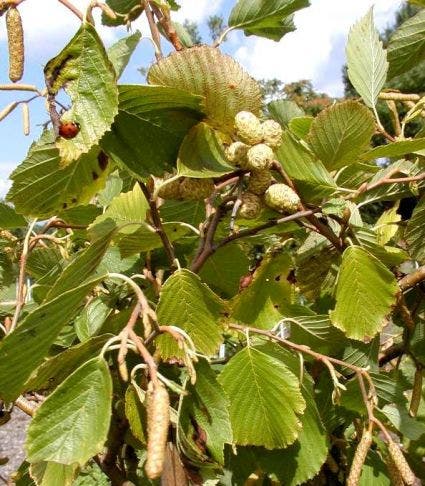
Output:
(271, 20)
(150, 126)
(9, 218)
(135, 413)
(72, 424)
(91, 319)
(83, 69)
(363, 283)
(283, 111)
(202, 155)
(123, 7)
(206, 406)
(269, 395)
(415, 232)
(366, 60)
(340, 133)
(406, 48)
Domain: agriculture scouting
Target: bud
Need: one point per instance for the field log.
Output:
(15, 36)
(248, 128)
(251, 206)
(170, 190)
(282, 198)
(272, 133)
(196, 189)
(259, 181)
(260, 157)
(158, 418)
(236, 153)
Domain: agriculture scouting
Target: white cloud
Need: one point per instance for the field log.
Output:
(307, 52)
(5, 170)
(197, 10)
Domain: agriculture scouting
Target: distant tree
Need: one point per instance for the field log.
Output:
(216, 25)
(193, 30)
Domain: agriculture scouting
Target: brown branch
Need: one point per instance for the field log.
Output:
(156, 37)
(164, 19)
(412, 279)
(159, 228)
(73, 8)
(391, 353)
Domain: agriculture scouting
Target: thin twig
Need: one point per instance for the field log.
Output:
(164, 19)
(159, 228)
(156, 37)
(412, 279)
(73, 8)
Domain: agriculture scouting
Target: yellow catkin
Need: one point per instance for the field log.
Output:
(158, 417)
(359, 459)
(394, 473)
(26, 118)
(7, 110)
(415, 400)
(401, 464)
(15, 36)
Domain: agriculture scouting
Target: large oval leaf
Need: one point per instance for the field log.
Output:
(205, 71)
(366, 60)
(84, 70)
(71, 425)
(366, 291)
(265, 399)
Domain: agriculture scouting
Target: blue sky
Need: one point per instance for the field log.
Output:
(315, 51)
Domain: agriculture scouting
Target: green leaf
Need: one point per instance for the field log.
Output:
(366, 60)
(265, 19)
(83, 69)
(91, 319)
(150, 126)
(340, 133)
(43, 261)
(363, 283)
(82, 267)
(127, 211)
(56, 369)
(71, 425)
(24, 349)
(412, 429)
(374, 471)
(9, 218)
(187, 303)
(205, 71)
(208, 406)
(53, 473)
(120, 52)
(312, 179)
(191, 212)
(415, 232)
(42, 186)
(268, 297)
(265, 399)
(224, 269)
(135, 413)
(395, 149)
(300, 126)
(123, 7)
(201, 154)
(283, 111)
(406, 48)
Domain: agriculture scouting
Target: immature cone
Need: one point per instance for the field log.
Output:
(259, 181)
(282, 198)
(170, 190)
(236, 154)
(401, 464)
(272, 133)
(248, 128)
(359, 459)
(251, 206)
(15, 36)
(196, 189)
(394, 473)
(260, 157)
(158, 418)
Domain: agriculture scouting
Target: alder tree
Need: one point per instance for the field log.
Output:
(192, 287)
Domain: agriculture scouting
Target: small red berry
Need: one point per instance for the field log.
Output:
(69, 129)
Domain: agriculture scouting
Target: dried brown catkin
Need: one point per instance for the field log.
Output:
(15, 36)
(394, 473)
(158, 416)
(359, 459)
(401, 464)
(26, 118)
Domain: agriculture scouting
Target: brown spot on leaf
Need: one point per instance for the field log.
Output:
(94, 175)
(103, 160)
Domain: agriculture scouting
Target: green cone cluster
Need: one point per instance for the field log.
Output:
(187, 189)
(282, 198)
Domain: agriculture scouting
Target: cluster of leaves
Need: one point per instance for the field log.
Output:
(275, 337)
